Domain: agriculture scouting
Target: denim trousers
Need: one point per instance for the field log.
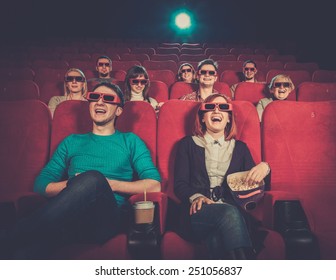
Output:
(85, 211)
(222, 227)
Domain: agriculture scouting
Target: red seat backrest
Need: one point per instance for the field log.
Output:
(161, 65)
(19, 90)
(324, 76)
(176, 119)
(251, 92)
(299, 143)
(311, 91)
(166, 76)
(25, 128)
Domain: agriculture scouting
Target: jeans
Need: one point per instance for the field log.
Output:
(223, 228)
(85, 211)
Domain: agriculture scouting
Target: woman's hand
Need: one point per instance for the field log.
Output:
(196, 205)
(257, 173)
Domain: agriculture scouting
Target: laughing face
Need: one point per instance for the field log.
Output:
(103, 113)
(207, 75)
(216, 121)
(281, 88)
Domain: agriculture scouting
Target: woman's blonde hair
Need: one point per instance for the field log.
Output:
(80, 72)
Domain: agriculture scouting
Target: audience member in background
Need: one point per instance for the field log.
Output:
(280, 87)
(206, 76)
(88, 181)
(75, 88)
(137, 85)
(104, 69)
(186, 73)
(249, 72)
(203, 162)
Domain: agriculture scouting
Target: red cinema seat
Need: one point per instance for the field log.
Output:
(254, 57)
(161, 65)
(49, 89)
(217, 51)
(168, 50)
(159, 91)
(251, 92)
(224, 57)
(148, 51)
(299, 143)
(166, 76)
(311, 91)
(192, 57)
(324, 76)
(25, 129)
(281, 57)
(309, 66)
(176, 119)
(20, 90)
(297, 76)
(164, 57)
(138, 117)
(124, 65)
(232, 77)
(135, 56)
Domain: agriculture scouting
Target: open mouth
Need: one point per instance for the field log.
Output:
(100, 111)
(216, 119)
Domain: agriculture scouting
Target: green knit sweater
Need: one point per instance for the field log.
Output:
(117, 156)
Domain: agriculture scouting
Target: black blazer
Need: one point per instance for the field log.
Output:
(190, 174)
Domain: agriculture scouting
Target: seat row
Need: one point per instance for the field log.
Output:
(253, 92)
(297, 139)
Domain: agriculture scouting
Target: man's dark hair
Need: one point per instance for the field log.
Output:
(106, 57)
(207, 61)
(114, 88)
(250, 61)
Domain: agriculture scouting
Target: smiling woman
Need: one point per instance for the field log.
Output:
(202, 165)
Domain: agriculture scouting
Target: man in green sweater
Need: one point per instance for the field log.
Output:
(90, 205)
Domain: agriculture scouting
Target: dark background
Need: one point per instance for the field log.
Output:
(308, 26)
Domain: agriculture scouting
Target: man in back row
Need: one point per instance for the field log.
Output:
(207, 76)
(249, 72)
(87, 182)
(104, 69)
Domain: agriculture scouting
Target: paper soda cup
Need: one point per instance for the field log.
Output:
(143, 212)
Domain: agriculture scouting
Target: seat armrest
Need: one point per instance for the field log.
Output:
(160, 199)
(268, 204)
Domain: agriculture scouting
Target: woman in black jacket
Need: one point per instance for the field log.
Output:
(203, 162)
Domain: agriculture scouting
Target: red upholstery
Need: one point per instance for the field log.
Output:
(299, 144)
(254, 57)
(309, 66)
(159, 91)
(174, 126)
(179, 89)
(16, 73)
(166, 76)
(324, 76)
(49, 89)
(124, 65)
(148, 51)
(297, 76)
(135, 56)
(311, 91)
(210, 51)
(251, 92)
(281, 57)
(44, 74)
(165, 57)
(194, 51)
(25, 128)
(193, 57)
(233, 77)
(224, 57)
(238, 50)
(168, 50)
(161, 65)
(20, 90)
(266, 66)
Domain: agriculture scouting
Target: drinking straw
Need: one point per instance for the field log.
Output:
(145, 196)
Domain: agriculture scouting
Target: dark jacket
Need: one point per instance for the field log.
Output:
(190, 174)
